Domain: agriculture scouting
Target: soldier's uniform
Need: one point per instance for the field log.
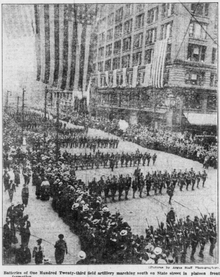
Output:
(127, 186)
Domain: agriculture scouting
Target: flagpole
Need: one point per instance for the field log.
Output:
(45, 115)
(57, 134)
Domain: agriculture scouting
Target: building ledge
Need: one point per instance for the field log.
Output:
(193, 64)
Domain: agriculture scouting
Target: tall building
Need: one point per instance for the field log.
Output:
(156, 63)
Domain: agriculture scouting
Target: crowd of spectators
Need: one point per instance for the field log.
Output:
(105, 237)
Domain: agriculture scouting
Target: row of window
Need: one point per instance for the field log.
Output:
(196, 31)
(136, 60)
(166, 10)
(192, 100)
(198, 78)
(151, 37)
(195, 53)
(152, 16)
(192, 77)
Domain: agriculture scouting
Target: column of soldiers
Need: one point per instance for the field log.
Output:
(109, 160)
(155, 182)
(17, 223)
(179, 235)
(82, 141)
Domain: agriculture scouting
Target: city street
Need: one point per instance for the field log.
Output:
(46, 224)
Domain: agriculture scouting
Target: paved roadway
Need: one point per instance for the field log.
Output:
(46, 224)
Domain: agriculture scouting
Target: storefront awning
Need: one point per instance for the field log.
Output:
(201, 119)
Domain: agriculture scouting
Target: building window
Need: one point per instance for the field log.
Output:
(168, 54)
(140, 7)
(127, 44)
(166, 30)
(102, 10)
(139, 21)
(213, 80)
(152, 15)
(137, 58)
(197, 30)
(128, 10)
(138, 40)
(151, 36)
(126, 61)
(102, 38)
(195, 78)
(212, 102)
(196, 53)
(148, 56)
(129, 78)
(111, 20)
(116, 63)
(118, 31)
(167, 10)
(101, 66)
(102, 24)
(117, 47)
(201, 9)
(108, 50)
(119, 80)
(214, 56)
(128, 27)
(110, 34)
(101, 52)
(108, 65)
(119, 15)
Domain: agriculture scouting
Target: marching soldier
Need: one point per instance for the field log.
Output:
(170, 191)
(134, 186)
(154, 157)
(127, 186)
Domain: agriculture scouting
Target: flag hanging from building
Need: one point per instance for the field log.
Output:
(157, 69)
(147, 75)
(63, 44)
(135, 73)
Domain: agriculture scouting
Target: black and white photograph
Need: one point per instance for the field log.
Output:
(109, 134)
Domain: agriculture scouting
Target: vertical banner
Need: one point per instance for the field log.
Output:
(86, 59)
(134, 80)
(77, 64)
(114, 78)
(106, 78)
(52, 44)
(42, 42)
(124, 77)
(147, 76)
(99, 79)
(61, 38)
(70, 48)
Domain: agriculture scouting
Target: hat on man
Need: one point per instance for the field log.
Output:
(82, 255)
(123, 233)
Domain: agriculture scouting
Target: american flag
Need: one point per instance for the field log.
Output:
(157, 69)
(62, 40)
(63, 44)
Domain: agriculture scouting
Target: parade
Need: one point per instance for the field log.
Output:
(104, 237)
(110, 140)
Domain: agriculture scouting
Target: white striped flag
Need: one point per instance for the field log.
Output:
(158, 64)
(63, 55)
(124, 73)
(134, 80)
